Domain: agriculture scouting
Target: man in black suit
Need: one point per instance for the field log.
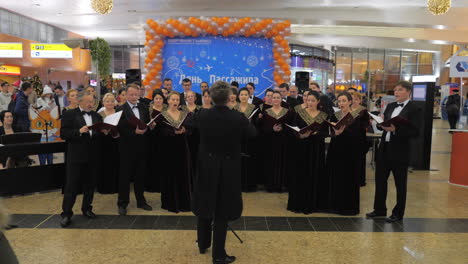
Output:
(293, 98)
(143, 92)
(217, 194)
(82, 156)
(187, 86)
(133, 144)
(327, 104)
(253, 99)
(393, 152)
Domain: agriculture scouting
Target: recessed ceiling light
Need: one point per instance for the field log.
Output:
(59, 14)
(36, 5)
(411, 40)
(440, 27)
(132, 11)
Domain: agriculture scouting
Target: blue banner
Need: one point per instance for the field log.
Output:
(213, 58)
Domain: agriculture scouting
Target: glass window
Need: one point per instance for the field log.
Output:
(343, 65)
(425, 63)
(359, 65)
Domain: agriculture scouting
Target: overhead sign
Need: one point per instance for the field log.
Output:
(10, 70)
(11, 50)
(51, 51)
(459, 66)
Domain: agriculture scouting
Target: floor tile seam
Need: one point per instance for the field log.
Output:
(47, 219)
(289, 224)
(310, 223)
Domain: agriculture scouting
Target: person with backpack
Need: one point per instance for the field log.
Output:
(453, 108)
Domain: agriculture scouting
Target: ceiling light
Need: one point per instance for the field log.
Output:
(440, 42)
(441, 27)
(412, 40)
(102, 6)
(439, 7)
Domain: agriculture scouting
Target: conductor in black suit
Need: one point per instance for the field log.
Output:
(217, 194)
(187, 86)
(82, 156)
(133, 149)
(393, 152)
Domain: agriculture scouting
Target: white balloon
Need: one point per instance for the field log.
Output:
(146, 48)
(198, 29)
(269, 27)
(257, 20)
(157, 77)
(264, 31)
(280, 50)
(151, 42)
(277, 67)
(146, 27)
(288, 61)
(150, 65)
(242, 31)
(192, 26)
(280, 72)
(214, 24)
(153, 82)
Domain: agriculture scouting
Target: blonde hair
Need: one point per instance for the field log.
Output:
(358, 95)
(107, 96)
(71, 91)
(171, 94)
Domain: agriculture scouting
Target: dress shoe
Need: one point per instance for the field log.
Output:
(374, 214)
(202, 250)
(66, 221)
(122, 210)
(89, 214)
(145, 207)
(226, 260)
(393, 219)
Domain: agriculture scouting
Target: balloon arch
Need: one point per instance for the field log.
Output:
(157, 31)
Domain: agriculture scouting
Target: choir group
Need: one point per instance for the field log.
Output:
(155, 146)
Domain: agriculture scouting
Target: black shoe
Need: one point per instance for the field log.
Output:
(202, 250)
(374, 214)
(393, 219)
(122, 210)
(66, 221)
(227, 259)
(89, 214)
(145, 207)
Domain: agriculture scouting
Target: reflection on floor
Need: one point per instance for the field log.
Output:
(435, 229)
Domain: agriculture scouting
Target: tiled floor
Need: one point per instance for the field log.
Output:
(435, 229)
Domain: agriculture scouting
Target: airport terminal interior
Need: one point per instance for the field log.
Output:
(338, 47)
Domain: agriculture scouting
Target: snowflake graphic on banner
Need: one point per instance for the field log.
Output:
(173, 62)
(252, 61)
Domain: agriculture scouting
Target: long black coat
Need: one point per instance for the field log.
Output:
(217, 183)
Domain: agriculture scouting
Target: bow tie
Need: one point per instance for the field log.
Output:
(84, 113)
(134, 107)
(400, 105)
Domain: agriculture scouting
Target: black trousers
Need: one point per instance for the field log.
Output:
(453, 121)
(132, 166)
(80, 177)
(219, 230)
(384, 166)
(7, 255)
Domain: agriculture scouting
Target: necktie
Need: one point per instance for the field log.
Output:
(400, 105)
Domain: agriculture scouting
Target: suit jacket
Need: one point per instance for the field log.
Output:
(57, 102)
(397, 150)
(292, 102)
(81, 148)
(145, 101)
(131, 142)
(198, 99)
(257, 101)
(217, 182)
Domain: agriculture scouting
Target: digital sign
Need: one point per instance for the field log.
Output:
(51, 51)
(11, 50)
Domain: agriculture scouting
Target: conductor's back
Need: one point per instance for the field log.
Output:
(217, 194)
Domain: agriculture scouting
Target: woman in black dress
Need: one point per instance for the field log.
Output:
(308, 159)
(275, 144)
(249, 155)
(343, 161)
(108, 169)
(174, 154)
(18, 160)
(304, 98)
(152, 180)
(359, 111)
(267, 100)
(232, 102)
(194, 136)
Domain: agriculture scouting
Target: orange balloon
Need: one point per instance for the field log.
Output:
(187, 32)
(204, 24)
(165, 32)
(247, 19)
(288, 72)
(258, 27)
(278, 38)
(276, 56)
(287, 23)
(274, 32)
(158, 66)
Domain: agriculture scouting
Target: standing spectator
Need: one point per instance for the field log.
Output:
(453, 108)
(22, 106)
(5, 96)
(331, 95)
(60, 98)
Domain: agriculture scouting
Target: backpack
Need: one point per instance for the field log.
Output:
(12, 105)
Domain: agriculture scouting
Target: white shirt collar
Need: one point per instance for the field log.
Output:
(404, 103)
(131, 105)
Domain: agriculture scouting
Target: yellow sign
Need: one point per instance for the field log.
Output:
(10, 70)
(48, 47)
(51, 51)
(11, 50)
